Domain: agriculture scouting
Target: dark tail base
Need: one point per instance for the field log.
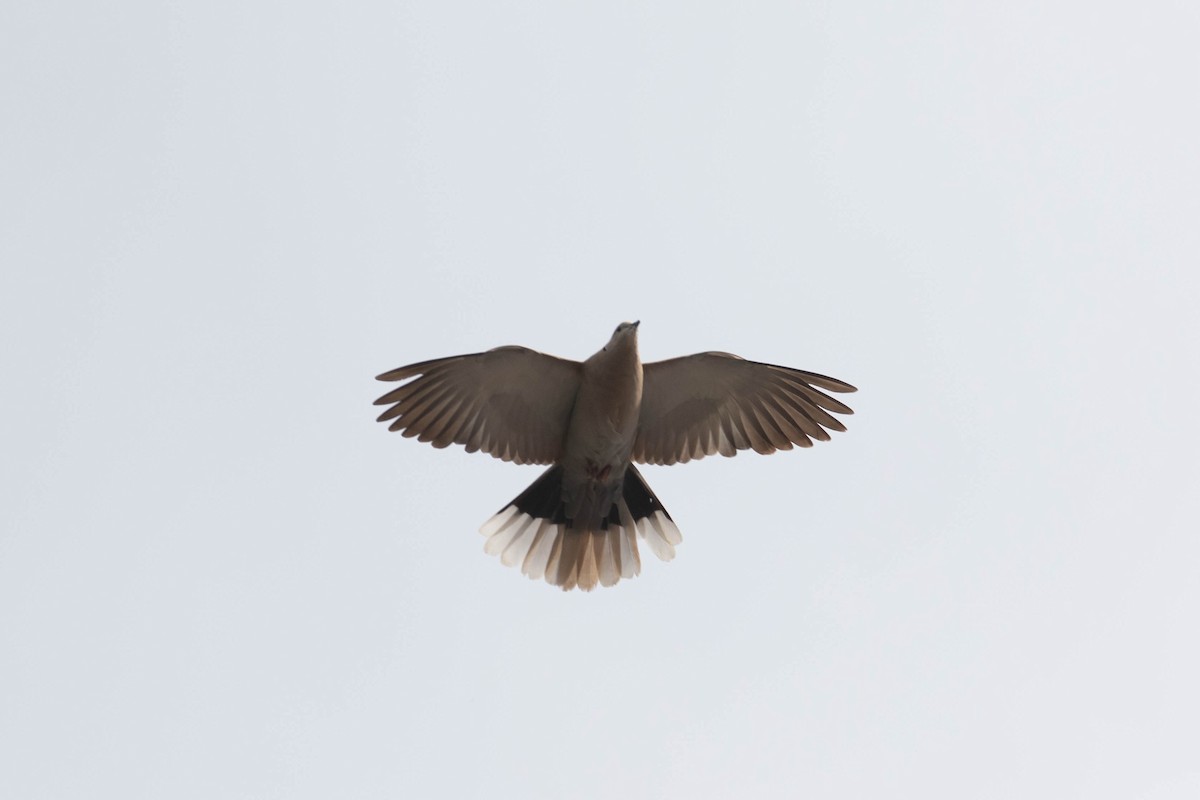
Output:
(543, 499)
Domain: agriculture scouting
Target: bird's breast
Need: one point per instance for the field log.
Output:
(604, 421)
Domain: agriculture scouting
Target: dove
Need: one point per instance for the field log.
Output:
(578, 525)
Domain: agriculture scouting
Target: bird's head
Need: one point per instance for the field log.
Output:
(624, 336)
(627, 329)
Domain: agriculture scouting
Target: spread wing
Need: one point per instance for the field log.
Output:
(511, 402)
(719, 403)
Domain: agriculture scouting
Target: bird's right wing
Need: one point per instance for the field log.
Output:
(709, 403)
(511, 402)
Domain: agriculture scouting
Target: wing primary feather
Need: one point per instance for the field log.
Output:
(433, 417)
(798, 409)
(824, 381)
(412, 394)
(420, 368)
(442, 432)
(820, 398)
(758, 438)
(814, 412)
(787, 422)
(779, 440)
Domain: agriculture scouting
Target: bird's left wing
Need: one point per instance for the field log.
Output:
(511, 402)
(709, 403)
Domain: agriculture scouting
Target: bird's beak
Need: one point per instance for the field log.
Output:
(636, 322)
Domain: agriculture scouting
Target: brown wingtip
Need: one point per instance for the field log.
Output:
(397, 374)
(412, 370)
(831, 384)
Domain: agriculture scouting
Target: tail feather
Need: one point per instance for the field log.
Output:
(610, 557)
(538, 557)
(631, 560)
(654, 524)
(534, 533)
(518, 548)
(567, 575)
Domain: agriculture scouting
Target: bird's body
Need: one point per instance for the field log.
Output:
(579, 523)
(602, 429)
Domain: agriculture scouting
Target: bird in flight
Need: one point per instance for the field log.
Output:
(578, 524)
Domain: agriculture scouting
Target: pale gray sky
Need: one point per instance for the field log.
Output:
(220, 578)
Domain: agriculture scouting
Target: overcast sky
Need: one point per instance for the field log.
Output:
(220, 578)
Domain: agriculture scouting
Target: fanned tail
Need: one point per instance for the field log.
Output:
(534, 533)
